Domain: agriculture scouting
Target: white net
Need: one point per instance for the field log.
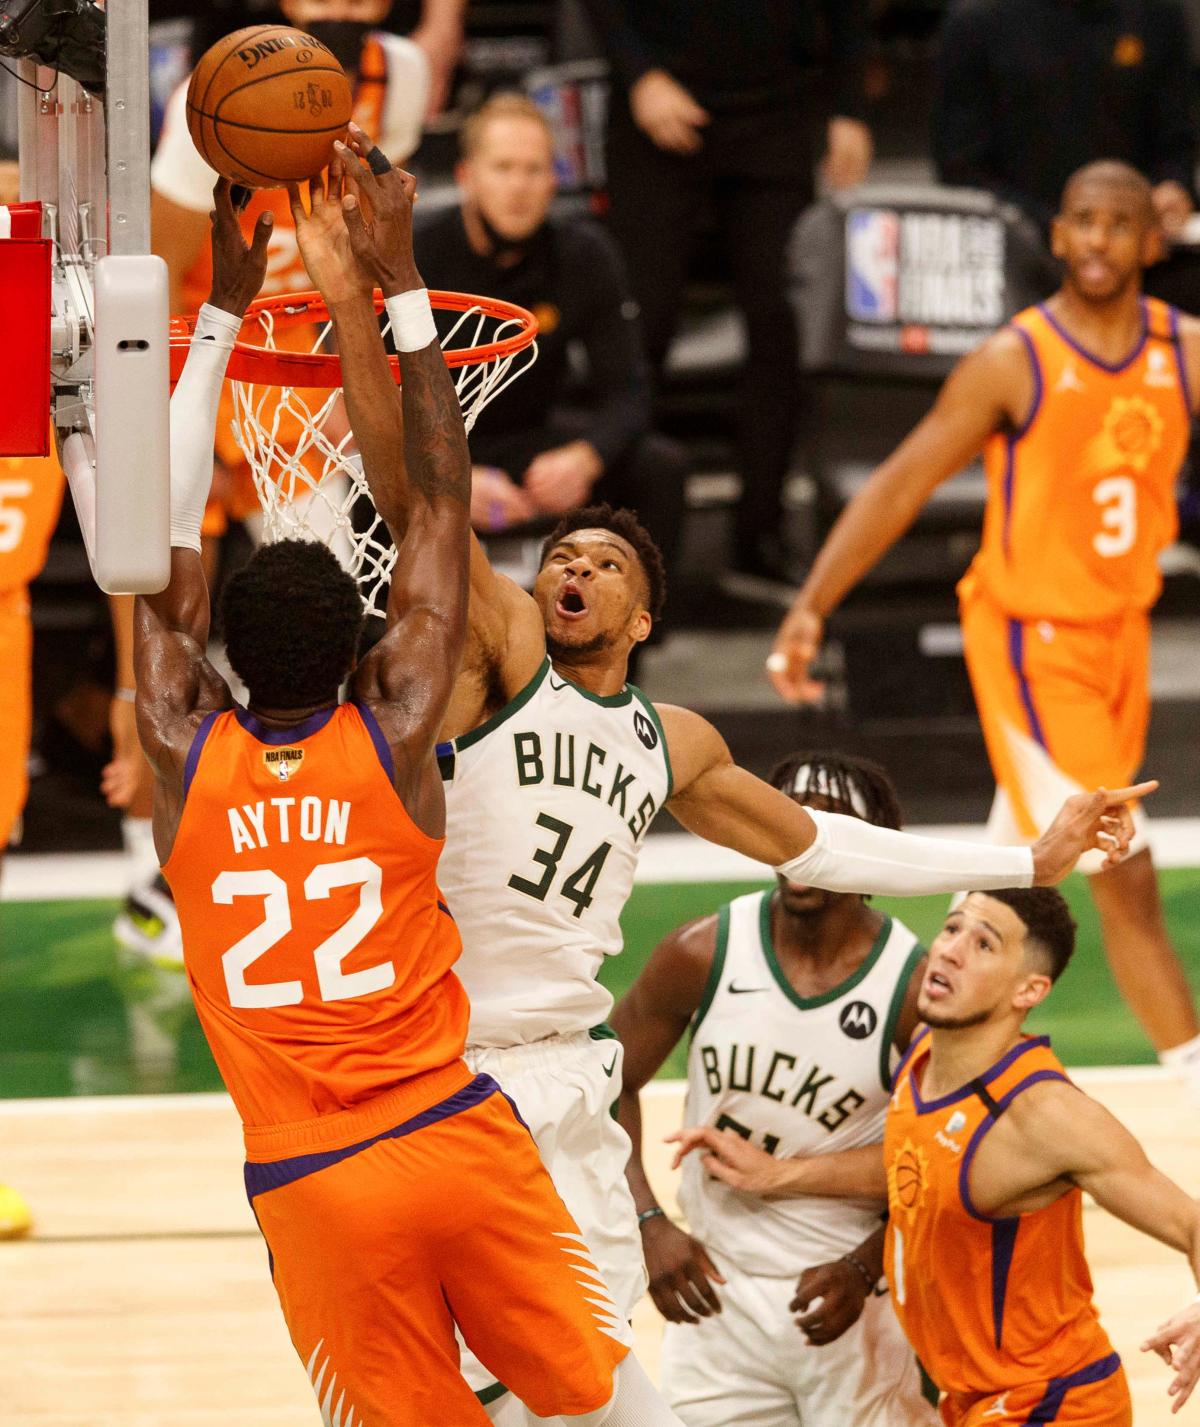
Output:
(301, 453)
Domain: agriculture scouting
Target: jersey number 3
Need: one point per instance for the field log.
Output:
(335, 984)
(1117, 498)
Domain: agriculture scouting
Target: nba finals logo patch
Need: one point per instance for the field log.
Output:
(283, 762)
(908, 1177)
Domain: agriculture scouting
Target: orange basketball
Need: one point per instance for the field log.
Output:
(265, 105)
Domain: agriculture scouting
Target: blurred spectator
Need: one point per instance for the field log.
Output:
(709, 103)
(538, 451)
(1029, 91)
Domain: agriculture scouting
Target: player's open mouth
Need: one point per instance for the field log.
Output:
(936, 986)
(570, 604)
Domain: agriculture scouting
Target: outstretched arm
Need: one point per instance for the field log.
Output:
(175, 682)
(649, 1021)
(502, 616)
(408, 676)
(1064, 1134)
(730, 806)
(987, 390)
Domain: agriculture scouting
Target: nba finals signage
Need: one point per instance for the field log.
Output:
(922, 281)
(903, 279)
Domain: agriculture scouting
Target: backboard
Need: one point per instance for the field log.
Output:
(84, 153)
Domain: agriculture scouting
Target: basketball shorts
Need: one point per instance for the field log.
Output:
(16, 707)
(1095, 1396)
(750, 1366)
(1064, 708)
(564, 1089)
(378, 1249)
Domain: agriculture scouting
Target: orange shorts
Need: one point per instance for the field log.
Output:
(16, 707)
(377, 1250)
(1095, 1396)
(1063, 706)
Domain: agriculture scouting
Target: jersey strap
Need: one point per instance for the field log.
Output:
(514, 705)
(199, 739)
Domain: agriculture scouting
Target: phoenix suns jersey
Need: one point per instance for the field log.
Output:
(988, 1303)
(31, 490)
(547, 807)
(318, 947)
(794, 1075)
(1081, 500)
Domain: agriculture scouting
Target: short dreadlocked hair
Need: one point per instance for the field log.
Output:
(1049, 924)
(858, 785)
(292, 617)
(625, 524)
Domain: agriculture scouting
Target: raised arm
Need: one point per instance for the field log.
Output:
(408, 676)
(501, 616)
(987, 390)
(650, 1021)
(176, 684)
(728, 805)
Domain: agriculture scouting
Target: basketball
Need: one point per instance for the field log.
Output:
(265, 105)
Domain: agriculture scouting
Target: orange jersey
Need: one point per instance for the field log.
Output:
(318, 947)
(988, 1304)
(31, 489)
(1081, 499)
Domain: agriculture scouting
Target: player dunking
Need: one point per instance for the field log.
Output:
(554, 769)
(397, 1191)
(1082, 409)
(797, 1003)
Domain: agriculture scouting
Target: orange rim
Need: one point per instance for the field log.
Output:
(251, 362)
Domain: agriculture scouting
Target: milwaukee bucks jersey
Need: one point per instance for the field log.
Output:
(796, 1076)
(547, 806)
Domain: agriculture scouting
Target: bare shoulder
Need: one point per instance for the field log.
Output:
(996, 380)
(1056, 1127)
(693, 744)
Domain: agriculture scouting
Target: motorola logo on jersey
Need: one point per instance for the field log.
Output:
(645, 730)
(858, 1020)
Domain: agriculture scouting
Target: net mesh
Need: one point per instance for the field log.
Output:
(298, 445)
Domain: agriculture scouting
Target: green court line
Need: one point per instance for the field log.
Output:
(76, 1019)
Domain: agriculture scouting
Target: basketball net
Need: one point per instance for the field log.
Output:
(298, 444)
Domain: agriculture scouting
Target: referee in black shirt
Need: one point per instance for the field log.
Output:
(547, 445)
(713, 103)
(1029, 91)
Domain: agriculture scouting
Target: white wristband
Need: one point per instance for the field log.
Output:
(850, 855)
(215, 325)
(411, 316)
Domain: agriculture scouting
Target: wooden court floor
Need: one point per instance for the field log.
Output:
(142, 1300)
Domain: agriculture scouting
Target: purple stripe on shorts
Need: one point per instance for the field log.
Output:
(261, 1178)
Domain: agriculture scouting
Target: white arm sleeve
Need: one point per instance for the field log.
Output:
(850, 855)
(194, 422)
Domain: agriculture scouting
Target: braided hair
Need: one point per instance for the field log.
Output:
(858, 786)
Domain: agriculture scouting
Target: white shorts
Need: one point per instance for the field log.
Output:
(564, 1089)
(751, 1365)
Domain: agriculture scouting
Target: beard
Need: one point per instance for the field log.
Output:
(953, 1023)
(569, 652)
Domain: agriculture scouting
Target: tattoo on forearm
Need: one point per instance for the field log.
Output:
(435, 439)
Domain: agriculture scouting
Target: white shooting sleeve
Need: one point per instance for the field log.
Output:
(850, 855)
(194, 422)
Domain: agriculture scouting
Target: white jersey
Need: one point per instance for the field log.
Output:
(796, 1076)
(547, 806)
